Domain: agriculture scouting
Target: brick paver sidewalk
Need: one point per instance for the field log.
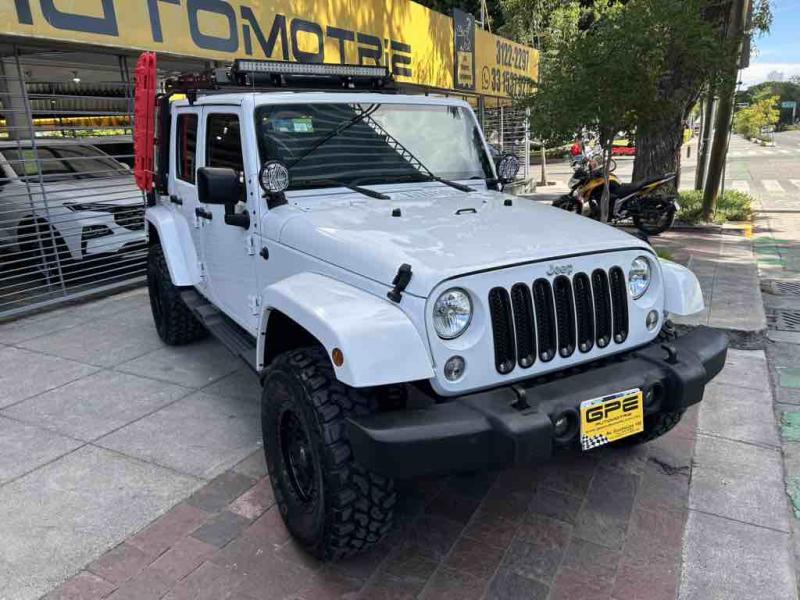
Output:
(604, 525)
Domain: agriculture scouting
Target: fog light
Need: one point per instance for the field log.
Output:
(652, 320)
(454, 368)
(561, 425)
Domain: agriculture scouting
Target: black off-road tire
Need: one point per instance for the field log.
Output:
(656, 425)
(175, 323)
(332, 505)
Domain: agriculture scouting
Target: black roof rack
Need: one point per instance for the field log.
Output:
(272, 75)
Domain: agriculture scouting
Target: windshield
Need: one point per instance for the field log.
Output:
(329, 144)
(63, 162)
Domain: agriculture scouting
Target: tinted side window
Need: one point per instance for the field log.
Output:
(186, 138)
(224, 142)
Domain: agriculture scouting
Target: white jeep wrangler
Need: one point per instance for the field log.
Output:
(406, 317)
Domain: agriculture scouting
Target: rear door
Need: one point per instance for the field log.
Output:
(183, 186)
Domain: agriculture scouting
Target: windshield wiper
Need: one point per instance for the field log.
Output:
(422, 177)
(409, 157)
(349, 186)
(341, 127)
(453, 184)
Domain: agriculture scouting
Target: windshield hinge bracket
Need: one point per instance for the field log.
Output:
(251, 245)
(400, 282)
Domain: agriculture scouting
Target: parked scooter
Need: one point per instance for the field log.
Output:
(652, 213)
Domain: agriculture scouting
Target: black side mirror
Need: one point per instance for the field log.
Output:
(218, 186)
(507, 168)
(222, 186)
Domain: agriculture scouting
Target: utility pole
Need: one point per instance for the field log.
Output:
(716, 163)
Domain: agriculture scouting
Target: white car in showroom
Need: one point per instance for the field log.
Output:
(65, 199)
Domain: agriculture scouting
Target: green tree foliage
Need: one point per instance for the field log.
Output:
(593, 78)
(496, 13)
(762, 113)
(650, 58)
(785, 90)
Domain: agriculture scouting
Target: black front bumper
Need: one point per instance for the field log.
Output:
(496, 428)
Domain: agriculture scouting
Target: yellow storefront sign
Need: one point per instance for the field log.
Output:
(415, 43)
(503, 67)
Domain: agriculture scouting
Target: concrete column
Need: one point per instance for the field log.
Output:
(12, 95)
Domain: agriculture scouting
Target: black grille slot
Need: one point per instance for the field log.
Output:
(523, 325)
(565, 315)
(502, 330)
(619, 304)
(602, 308)
(584, 311)
(545, 319)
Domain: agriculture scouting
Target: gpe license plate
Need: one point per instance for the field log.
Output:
(611, 418)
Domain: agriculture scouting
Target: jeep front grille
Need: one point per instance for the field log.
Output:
(545, 320)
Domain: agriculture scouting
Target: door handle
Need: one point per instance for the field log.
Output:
(176, 200)
(203, 213)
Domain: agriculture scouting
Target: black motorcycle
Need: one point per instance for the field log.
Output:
(652, 212)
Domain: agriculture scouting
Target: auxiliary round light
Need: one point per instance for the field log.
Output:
(452, 313)
(274, 177)
(639, 276)
(652, 320)
(454, 368)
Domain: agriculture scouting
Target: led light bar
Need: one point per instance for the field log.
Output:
(308, 69)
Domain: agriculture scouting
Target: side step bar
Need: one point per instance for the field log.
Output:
(234, 338)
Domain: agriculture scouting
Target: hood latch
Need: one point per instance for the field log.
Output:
(400, 282)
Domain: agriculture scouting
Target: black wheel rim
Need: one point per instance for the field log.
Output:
(297, 456)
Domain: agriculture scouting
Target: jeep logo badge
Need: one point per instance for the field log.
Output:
(559, 270)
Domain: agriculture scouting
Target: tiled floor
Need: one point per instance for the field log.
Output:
(603, 525)
(102, 430)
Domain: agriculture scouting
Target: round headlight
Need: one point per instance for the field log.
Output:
(639, 277)
(452, 313)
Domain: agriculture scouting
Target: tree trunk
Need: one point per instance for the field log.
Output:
(543, 180)
(704, 143)
(658, 148)
(719, 151)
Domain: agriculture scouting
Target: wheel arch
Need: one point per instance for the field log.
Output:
(176, 241)
(379, 344)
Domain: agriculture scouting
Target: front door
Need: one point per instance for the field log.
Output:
(228, 250)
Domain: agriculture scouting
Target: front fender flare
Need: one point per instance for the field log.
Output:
(682, 292)
(379, 343)
(176, 241)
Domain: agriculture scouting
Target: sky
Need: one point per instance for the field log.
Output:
(779, 50)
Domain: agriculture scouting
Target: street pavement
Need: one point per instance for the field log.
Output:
(775, 182)
(133, 470)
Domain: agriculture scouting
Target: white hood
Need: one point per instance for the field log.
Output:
(441, 232)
